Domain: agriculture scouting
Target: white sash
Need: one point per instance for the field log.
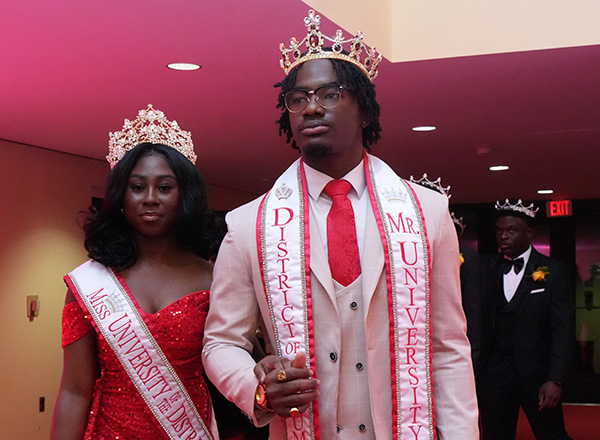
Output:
(406, 248)
(117, 319)
(284, 257)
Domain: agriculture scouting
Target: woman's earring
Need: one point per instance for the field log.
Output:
(122, 211)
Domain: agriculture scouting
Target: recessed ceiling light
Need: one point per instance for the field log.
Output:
(424, 128)
(499, 168)
(183, 66)
(545, 191)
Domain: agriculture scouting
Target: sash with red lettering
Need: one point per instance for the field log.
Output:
(406, 248)
(284, 257)
(116, 318)
(283, 236)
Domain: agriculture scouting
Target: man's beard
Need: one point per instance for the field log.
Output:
(316, 151)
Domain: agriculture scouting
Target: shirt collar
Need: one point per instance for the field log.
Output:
(316, 180)
(525, 255)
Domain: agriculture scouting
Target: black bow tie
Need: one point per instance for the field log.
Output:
(507, 263)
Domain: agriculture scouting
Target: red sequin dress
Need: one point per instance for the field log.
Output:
(118, 411)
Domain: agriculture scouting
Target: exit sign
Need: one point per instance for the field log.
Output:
(559, 208)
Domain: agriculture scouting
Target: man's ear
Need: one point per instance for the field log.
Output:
(529, 233)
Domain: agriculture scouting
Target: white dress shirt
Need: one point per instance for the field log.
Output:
(512, 279)
(320, 203)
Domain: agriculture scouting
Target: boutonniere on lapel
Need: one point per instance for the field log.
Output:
(540, 273)
(462, 258)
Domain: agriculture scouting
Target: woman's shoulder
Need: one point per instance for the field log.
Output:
(200, 271)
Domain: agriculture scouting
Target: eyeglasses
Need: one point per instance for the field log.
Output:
(328, 96)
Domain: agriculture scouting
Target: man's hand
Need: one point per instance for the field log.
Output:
(549, 395)
(288, 384)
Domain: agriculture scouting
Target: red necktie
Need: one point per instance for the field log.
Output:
(342, 244)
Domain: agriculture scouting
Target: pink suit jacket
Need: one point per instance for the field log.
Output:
(238, 304)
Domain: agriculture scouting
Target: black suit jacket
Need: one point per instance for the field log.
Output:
(543, 320)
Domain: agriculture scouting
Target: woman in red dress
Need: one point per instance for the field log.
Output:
(155, 235)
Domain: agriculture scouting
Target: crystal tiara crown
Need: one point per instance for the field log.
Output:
(292, 56)
(518, 207)
(152, 126)
(435, 185)
(459, 222)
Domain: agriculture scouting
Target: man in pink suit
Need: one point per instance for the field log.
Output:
(367, 343)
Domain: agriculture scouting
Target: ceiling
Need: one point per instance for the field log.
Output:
(72, 70)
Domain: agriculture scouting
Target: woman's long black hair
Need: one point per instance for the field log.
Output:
(109, 238)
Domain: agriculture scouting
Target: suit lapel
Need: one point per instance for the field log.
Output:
(373, 260)
(319, 264)
(497, 285)
(526, 284)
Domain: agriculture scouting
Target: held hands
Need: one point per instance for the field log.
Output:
(288, 384)
(549, 395)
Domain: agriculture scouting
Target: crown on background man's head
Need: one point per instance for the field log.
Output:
(152, 126)
(459, 222)
(435, 185)
(517, 207)
(295, 54)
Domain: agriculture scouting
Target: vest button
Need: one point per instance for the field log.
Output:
(333, 356)
(354, 305)
(362, 428)
(359, 366)
(338, 428)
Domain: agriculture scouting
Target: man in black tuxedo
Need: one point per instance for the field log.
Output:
(529, 321)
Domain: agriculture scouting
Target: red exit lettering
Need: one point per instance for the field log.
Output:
(559, 208)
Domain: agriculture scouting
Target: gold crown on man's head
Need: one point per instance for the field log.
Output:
(152, 126)
(292, 56)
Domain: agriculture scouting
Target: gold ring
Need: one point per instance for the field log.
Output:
(294, 412)
(282, 376)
